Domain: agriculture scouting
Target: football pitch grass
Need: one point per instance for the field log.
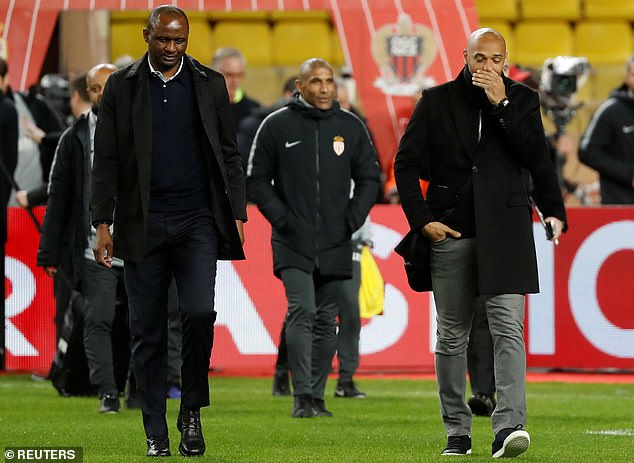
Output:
(398, 422)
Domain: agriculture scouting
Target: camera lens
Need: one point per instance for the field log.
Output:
(564, 84)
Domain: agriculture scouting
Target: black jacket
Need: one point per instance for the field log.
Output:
(608, 147)
(8, 157)
(243, 109)
(67, 218)
(123, 158)
(47, 119)
(441, 145)
(299, 175)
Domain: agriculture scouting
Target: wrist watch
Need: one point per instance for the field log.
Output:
(503, 103)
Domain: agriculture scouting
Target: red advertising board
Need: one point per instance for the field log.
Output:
(581, 319)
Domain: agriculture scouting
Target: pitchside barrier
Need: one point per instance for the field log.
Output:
(581, 319)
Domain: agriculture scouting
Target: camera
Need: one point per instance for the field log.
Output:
(561, 78)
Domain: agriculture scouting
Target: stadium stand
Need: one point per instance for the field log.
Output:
(603, 41)
(616, 9)
(201, 37)
(534, 30)
(537, 40)
(243, 35)
(297, 40)
(548, 9)
(126, 37)
(497, 9)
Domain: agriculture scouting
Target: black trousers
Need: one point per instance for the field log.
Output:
(99, 287)
(182, 244)
(350, 320)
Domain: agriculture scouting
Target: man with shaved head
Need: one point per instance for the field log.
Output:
(67, 223)
(303, 160)
(168, 176)
(477, 139)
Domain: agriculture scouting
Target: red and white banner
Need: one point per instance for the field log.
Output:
(396, 48)
(581, 319)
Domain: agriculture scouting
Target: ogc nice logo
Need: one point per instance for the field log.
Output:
(403, 52)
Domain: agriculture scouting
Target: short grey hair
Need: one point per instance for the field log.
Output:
(224, 53)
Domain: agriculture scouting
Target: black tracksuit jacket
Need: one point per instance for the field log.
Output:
(608, 147)
(299, 174)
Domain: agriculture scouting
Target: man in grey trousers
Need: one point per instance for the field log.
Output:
(68, 218)
(312, 150)
(476, 139)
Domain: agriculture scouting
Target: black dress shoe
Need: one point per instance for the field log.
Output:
(319, 407)
(303, 406)
(192, 440)
(158, 447)
(481, 405)
(281, 384)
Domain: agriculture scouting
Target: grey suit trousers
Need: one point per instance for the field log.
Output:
(311, 323)
(454, 278)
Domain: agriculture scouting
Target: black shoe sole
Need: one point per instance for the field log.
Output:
(189, 453)
(303, 414)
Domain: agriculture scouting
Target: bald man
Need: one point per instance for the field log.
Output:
(67, 220)
(476, 139)
(313, 149)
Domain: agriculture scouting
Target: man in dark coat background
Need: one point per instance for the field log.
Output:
(9, 159)
(607, 145)
(476, 139)
(168, 173)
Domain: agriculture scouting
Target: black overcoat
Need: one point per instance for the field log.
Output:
(440, 145)
(123, 156)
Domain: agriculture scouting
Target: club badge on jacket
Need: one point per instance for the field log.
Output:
(338, 145)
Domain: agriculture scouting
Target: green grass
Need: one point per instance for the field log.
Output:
(398, 422)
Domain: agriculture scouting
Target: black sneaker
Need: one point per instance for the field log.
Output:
(109, 403)
(481, 405)
(192, 440)
(319, 408)
(510, 442)
(349, 390)
(303, 407)
(457, 445)
(281, 384)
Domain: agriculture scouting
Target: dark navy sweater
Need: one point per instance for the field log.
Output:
(178, 167)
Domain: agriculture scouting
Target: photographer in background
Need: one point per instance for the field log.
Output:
(608, 142)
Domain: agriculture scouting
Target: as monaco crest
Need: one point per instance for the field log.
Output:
(338, 145)
(403, 52)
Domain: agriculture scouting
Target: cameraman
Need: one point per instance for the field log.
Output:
(608, 142)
